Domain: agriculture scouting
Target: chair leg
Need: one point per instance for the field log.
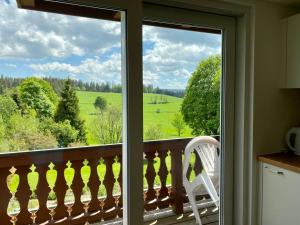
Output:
(192, 199)
(210, 188)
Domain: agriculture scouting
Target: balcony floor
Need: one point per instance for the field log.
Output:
(209, 216)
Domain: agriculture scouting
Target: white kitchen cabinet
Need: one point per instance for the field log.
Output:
(291, 56)
(280, 197)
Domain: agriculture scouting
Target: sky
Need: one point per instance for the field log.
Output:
(46, 44)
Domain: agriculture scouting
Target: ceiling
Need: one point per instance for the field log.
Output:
(287, 2)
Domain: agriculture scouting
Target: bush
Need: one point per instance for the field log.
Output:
(3, 140)
(64, 133)
(2, 129)
(153, 132)
(23, 133)
(8, 107)
(100, 103)
(107, 126)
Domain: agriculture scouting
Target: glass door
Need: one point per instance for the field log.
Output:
(188, 76)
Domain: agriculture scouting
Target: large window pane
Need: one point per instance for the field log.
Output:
(60, 82)
(174, 61)
(182, 85)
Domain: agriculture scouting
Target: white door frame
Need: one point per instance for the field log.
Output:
(227, 25)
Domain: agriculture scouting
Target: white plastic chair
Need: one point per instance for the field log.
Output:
(208, 180)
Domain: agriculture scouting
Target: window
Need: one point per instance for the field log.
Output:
(172, 58)
(60, 83)
(129, 32)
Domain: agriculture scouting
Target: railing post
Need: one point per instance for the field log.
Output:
(177, 185)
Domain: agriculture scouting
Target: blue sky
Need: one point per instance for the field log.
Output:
(43, 44)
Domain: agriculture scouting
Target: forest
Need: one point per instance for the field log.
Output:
(7, 82)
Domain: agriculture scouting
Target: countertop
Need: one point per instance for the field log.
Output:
(286, 160)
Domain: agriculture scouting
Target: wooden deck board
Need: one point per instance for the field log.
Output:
(209, 216)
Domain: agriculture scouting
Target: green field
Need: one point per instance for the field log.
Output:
(87, 110)
(151, 115)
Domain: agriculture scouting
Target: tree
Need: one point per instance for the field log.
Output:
(23, 133)
(8, 107)
(68, 109)
(1, 89)
(201, 103)
(64, 133)
(178, 123)
(2, 130)
(107, 126)
(153, 132)
(100, 103)
(39, 95)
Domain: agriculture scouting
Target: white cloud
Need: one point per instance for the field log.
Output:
(91, 68)
(170, 55)
(30, 34)
(151, 33)
(11, 65)
(173, 59)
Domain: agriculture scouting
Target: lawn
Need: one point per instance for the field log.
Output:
(159, 114)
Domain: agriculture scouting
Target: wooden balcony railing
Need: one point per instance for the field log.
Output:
(83, 185)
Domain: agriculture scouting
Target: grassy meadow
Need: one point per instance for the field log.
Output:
(87, 112)
(159, 114)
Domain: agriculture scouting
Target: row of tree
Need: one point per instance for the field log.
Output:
(58, 84)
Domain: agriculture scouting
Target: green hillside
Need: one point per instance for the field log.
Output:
(161, 114)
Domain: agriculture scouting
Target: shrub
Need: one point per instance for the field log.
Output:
(107, 126)
(2, 130)
(23, 133)
(64, 133)
(8, 107)
(153, 132)
(100, 103)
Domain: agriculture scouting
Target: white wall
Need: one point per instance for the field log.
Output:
(274, 110)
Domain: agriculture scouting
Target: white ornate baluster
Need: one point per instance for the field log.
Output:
(13, 208)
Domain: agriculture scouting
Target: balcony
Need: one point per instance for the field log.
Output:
(83, 185)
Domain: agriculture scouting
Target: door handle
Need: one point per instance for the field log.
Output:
(274, 171)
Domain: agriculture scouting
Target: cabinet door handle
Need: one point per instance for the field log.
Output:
(274, 171)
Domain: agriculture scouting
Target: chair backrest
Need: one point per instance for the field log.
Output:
(207, 149)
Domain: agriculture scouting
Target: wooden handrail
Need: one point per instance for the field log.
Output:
(79, 185)
(78, 153)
